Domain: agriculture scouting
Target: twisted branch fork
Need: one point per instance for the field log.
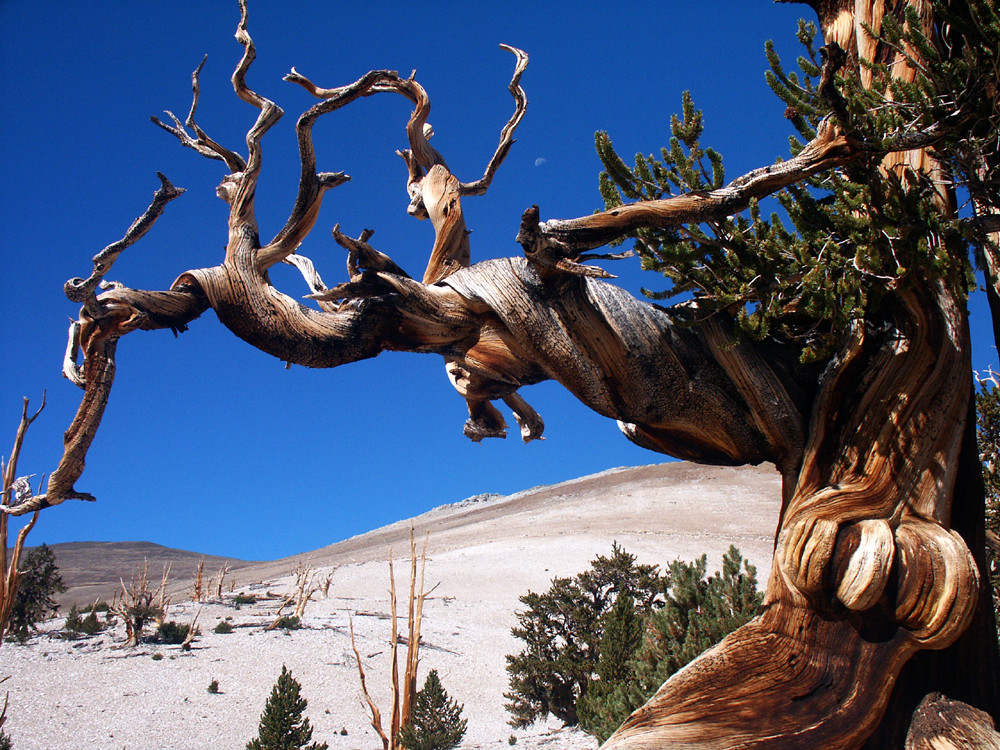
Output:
(203, 144)
(102, 321)
(8, 476)
(421, 156)
(361, 257)
(83, 291)
(507, 134)
(313, 184)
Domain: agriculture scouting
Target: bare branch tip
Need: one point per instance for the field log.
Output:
(169, 192)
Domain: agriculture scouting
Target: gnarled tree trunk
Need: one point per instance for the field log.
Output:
(879, 542)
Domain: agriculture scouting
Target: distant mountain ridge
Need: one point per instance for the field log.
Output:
(607, 501)
(93, 570)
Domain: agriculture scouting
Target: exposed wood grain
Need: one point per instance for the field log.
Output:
(943, 724)
(868, 569)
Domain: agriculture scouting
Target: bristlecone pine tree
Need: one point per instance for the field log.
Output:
(34, 598)
(561, 629)
(834, 345)
(436, 721)
(621, 638)
(282, 725)
(698, 613)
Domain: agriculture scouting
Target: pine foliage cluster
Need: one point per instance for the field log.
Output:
(599, 644)
(34, 599)
(835, 243)
(988, 438)
(282, 725)
(561, 629)
(436, 721)
(698, 612)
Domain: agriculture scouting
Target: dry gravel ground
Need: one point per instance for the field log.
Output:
(482, 555)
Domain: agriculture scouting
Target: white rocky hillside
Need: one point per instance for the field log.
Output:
(482, 555)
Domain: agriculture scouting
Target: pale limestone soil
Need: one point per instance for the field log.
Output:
(90, 693)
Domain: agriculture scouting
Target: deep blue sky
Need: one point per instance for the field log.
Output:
(210, 445)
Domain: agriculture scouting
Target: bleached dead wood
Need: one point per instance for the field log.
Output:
(942, 724)
(136, 604)
(198, 594)
(10, 572)
(402, 694)
(874, 560)
(219, 582)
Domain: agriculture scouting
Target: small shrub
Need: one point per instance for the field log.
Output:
(436, 721)
(5, 743)
(172, 632)
(73, 620)
(213, 687)
(287, 622)
(77, 625)
(240, 599)
(343, 731)
(223, 628)
(512, 740)
(157, 656)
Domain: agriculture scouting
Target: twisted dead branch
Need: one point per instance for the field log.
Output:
(868, 568)
(136, 604)
(402, 695)
(16, 491)
(305, 587)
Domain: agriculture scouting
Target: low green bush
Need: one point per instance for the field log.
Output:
(223, 628)
(287, 622)
(82, 625)
(173, 633)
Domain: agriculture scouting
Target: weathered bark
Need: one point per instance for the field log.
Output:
(866, 571)
(872, 561)
(943, 723)
(870, 566)
(10, 572)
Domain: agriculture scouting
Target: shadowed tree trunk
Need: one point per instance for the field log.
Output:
(875, 597)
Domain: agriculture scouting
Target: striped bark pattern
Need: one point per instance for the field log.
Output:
(867, 569)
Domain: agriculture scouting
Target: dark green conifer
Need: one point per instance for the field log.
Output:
(988, 437)
(436, 721)
(805, 275)
(698, 613)
(562, 630)
(619, 642)
(282, 725)
(34, 598)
